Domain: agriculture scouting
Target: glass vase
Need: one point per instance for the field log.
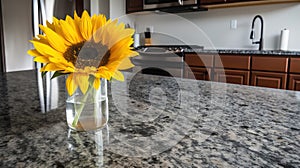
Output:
(89, 111)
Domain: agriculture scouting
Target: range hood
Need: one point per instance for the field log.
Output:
(182, 9)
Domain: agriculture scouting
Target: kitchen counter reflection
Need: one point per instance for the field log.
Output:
(154, 121)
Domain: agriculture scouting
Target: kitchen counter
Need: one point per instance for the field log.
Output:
(245, 52)
(154, 122)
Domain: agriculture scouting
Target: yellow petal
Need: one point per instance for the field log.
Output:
(51, 67)
(71, 85)
(86, 26)
(125, 64)
(69, 33)
(41, 59)
(83, 81)
(57, 27)
(55, 40)
(96, 83)
(34, 53)
(98, 22)
(75, 27)
(41, 39)
(45, 49)
(50, 25)
(119, 76)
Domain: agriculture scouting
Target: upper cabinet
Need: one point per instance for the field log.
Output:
(137, 5)
(134, 6)
(211, 4)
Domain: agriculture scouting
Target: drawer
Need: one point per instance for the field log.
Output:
(275, 64)
(199, 60)
(198, 73)
(232, 76)
(295, 65)
(233, 62)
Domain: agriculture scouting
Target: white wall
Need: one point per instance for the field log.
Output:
(215, 25)
(117, 8)
(100, 7)
(17, 33)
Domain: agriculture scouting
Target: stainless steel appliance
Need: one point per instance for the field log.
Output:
(164, 60)
(156, 4)
(21, 19)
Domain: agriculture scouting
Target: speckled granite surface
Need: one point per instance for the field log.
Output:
(246, 52)
(154, 122)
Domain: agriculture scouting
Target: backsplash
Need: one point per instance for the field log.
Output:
(212, 28)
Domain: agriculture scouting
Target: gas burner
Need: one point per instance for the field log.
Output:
(171, 48)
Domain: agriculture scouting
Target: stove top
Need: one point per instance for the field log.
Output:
(170, 48)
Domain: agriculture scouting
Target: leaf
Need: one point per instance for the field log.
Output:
(57, 73)
(44, 73)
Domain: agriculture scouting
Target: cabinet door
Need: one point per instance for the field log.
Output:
(198, 73)
(269, 79)
(295, 65)
(134, 6)
(294, 83)
(200, 60)
(232, 76)
(232, 62)
(272, 64)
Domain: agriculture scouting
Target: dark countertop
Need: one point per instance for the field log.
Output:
(154, 122)
(245, 52)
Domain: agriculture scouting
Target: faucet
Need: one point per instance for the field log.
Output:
(260, 42)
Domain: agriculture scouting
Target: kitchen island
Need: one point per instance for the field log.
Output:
(153, 122)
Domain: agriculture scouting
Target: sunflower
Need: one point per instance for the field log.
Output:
(87, 48)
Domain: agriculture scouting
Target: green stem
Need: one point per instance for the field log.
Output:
(81, 106)
(95, 96)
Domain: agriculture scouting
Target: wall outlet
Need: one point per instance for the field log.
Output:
(233, 24)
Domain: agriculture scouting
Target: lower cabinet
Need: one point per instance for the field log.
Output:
(294, 82)
(269, 79)
(281, 72)
(232, 76)
(198, 73)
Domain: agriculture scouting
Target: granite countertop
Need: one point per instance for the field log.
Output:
(244, 52)
(154, 122)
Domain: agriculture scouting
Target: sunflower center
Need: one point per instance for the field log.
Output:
(87, 54)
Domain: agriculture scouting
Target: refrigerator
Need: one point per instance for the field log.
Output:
(21, 19)
(20, 24)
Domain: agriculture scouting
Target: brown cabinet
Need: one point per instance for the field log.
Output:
(295, 65)
(199, 66)
(269, 71)
(212, 2)
(232, 69)
(198, 73)
(199, 60)
(232, 76)
(294, 82)
(232, 62)
(294, 76)
(281, 72)
(134, 6)
(269, 79)
(271, 64)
